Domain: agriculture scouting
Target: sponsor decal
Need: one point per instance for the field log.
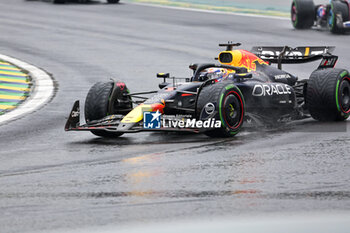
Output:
(292, 54)
(158, 98)
(75, 113)
(271, 89)
(282, 76)
(188, 122)
(209, 108)
(152, 120)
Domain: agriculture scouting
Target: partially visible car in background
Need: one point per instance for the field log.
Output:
(334, 16)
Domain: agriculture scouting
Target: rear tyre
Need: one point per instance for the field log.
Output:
(229, 108)
(112, 1)
(303, 14)
(328, 95)
(101, 102)
(338, 14)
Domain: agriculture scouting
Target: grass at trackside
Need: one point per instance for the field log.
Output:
(207, 6)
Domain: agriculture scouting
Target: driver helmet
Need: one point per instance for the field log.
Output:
(218, 74)
(321, 12)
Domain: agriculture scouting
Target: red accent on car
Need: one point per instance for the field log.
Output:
(346, 112)
(121, 85)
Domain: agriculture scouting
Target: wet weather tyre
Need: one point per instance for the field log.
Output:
(112, 1)
(338, 14)
(229, 108)
(59, 1)
(303, 14)
(98, 104)
(328, 95)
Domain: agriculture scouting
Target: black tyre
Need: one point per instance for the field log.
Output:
(102, 100)
(338, 14)
(59, 1)
(328, 95)
(112, 1)
(303, 14)
(229, 108)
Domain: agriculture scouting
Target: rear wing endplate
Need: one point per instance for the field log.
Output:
(289, 55)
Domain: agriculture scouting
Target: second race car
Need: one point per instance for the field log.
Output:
(219, 98)
(334, 16)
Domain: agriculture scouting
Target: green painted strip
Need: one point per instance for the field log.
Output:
(14, 85)
(337, 96)
(343, 74)
(7, 67)
(17, 78)
(8, 103)
(228, 87)
(11, 99)
(12, 94)
(220, 109)
(13, 71)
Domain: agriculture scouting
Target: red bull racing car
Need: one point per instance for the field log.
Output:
(244, 88)
(334, 16)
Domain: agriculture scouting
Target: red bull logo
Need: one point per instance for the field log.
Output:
(241, 58)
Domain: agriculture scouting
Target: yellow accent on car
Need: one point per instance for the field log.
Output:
(307, 51)
(136, 115)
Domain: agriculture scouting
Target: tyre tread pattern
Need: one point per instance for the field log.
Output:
(321, 94)
(306, 14)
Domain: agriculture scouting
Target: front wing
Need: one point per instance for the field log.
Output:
(111, 123)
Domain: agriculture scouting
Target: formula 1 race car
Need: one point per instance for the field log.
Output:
(219, 98)
(334, 16)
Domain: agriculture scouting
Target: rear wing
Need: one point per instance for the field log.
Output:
(288, 55)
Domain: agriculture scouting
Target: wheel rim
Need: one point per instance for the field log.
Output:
(232, 110)
(294, 13)
(344, 95)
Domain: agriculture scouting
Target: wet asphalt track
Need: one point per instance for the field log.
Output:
(51, 179)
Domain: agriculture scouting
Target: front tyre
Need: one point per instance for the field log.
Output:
(230, 108)
(112, 1)
(104, 99)
(303, 14)
(328, 95)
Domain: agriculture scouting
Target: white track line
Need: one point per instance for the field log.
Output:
(209, 11)
(42, 92)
